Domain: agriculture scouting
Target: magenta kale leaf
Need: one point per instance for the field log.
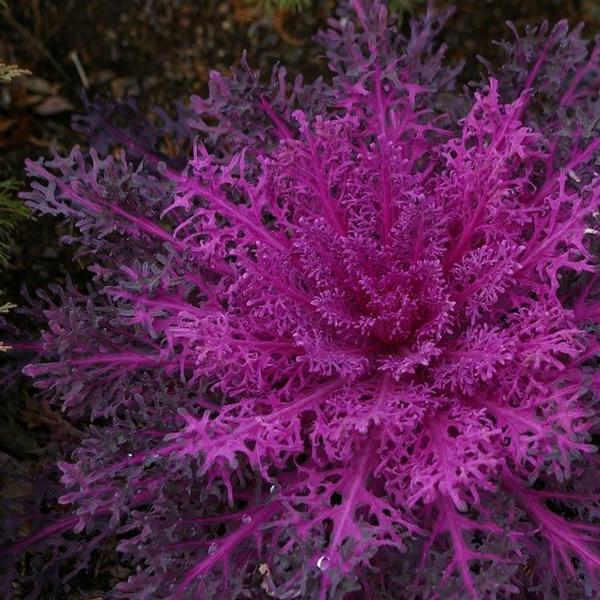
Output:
(348, 350)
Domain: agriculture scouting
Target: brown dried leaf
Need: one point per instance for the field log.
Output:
(6, 124)
(53, 105)
(39, 85)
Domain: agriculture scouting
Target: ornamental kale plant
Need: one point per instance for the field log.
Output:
(346, 348)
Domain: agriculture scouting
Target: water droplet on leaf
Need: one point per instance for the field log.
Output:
(323, 563)
(246, 519)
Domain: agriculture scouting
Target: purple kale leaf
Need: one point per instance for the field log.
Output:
(346, 351)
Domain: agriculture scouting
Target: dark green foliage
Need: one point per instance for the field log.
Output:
(285, 4)
(12, 212)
